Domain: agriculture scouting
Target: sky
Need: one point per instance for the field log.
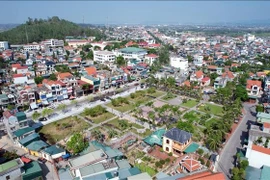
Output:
(134, 12)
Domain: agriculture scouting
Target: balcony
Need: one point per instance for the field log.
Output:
(178, 147)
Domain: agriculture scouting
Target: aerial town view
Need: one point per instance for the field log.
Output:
(134, 90)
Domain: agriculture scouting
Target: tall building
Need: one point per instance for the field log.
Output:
(4, 45)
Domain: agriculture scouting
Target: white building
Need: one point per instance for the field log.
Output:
(198, 60)
(132, 53)
(257, 155)
(19, 79)
(31, 47)
(150, 58)
(77, 42)
(11, 169)
(104, 56)
(3, 45)
(179, 62)
(53, 43)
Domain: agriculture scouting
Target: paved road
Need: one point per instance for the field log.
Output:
(226, 160)
(73, 110)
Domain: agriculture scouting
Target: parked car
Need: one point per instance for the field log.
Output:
(42, 160)
(102, 99)
(43, 119)
(107, 97)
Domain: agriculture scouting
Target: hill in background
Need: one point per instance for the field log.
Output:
(41, 29)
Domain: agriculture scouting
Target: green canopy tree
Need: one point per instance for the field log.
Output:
(36, 115)
(76, 144)
(120, 61)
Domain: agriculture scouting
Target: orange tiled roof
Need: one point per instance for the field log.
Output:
(259, 74)
(261, 149)
(266, 125)
(199, 74)
(234, 65)
(16, 65)
(228, 74)
(212, 67)
(206, 175)
(191, 164)
(187, 83)
(91, 70)
(251, 83)
(64, 75)
(17, 75)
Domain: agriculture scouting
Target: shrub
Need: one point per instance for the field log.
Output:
(208, 164)
(151, 90)
(201, 160)
(161, 150)
(132, 95)
(170, 154)
(162, 161)
(200, 151)
(167, 160)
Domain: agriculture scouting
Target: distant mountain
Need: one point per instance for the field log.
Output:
(5, 27)
(40, 29)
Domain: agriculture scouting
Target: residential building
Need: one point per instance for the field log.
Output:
(132, 53)
(57, 88)
(228, 75)
(4, 45)
(22, 70)
(151, 58)
(205, 175)
(254, 89)
(104, 56)
(31, 47)
(266, 83)
(205, 81)
(53, 152)
(25, 94)
(198, 60)
(69, 80)
(190, 165)
(19, 79)
(220, 82)
(12, 169)
(255, 152)
(175, 141)
(180, 63)
(95, 82)
(263, 117)
(75, 43)
(5, 100)
(197, 77)
(32, 170)
(53, 43)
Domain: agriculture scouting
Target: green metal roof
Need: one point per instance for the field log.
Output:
(8, 165)
(54, 149)
(32, 170)
(21, 116)
(3, 97)
(132, 50)
(37, 145)
(23, 131)
(252, 173)
(155, 137)
(27, 140)
(192, 148)
(265, 173)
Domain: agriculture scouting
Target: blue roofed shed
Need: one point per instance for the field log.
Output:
(252, 173)
(32, 171)
(23, 131)
(29, 139)
(155, 138)
(192, 148)
(37, 145)
(21, 116)
(265, 173)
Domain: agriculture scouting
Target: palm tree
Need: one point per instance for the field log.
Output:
(123, 124)
(213, 143)
(112, 133)
(44, 112)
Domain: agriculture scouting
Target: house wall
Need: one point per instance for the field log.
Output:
(20, 80)
(257, 159)
(165, 145)
(16, 174)
(22, 71)
(55, 156)
(87, 80)
(34, 153)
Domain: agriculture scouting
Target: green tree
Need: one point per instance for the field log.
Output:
(76, 144)
(259, 108)
(10, 107)
(120, 61)
(36, 115)
(53, 77)
(61, 107)
(38, 80)
(241, 93)
(186, 126)
(97, 134)
(164, 56)
(112, 133)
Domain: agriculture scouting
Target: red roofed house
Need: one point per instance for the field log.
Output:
(205, 81)
(91, 71)
(15, 67)
(150, 58)
(19, 78)
(266, 127)
(131, 43)
(143, 44)
(197, 77)
(254, 89)
(206, 175)
(228, 75)
(69, 80)
(190, 165)
(58, 89)
(153, 46)
(257, 155)
(22, 70)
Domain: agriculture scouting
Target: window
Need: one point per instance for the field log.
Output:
(168, 141)
(167, 149)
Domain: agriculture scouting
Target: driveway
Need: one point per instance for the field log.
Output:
(227, 156)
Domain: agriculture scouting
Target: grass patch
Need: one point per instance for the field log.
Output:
(210, 122)
(190, 103)
(145, 134)
(100, 118)
(122, 108)
(140, 100)
(61, 129)
(115, 123)
(157, 93)
(168, 97)
(212, 109)
(144, 168)
(193, 116)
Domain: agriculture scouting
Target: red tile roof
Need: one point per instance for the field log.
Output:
(234, 65)
(91, 70)
(7, 114)
(64, 75)
(26, 160)
(199, 74)
(17, 75)
(205, 79)
(22, 67)
(152, 55)
(16, 65)
(154, 45)
(191, 164)
(197, 175)
(266, 125)
(228, 74)
(251, 83)
(207, 175)
(187, 83)
(261, 149)
(212, 67)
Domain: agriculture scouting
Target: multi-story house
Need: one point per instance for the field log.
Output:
(175, 141)
(95, 82)
(180, 63)
(4, 45)
(151, 58)
(220, 82)
(6, 99)
(197, 77)
(22, 70)
(17, 125)
(25, 94)
(42, 95)
(69, 80)
(132, 53)
(254, 89)
(104, 56)
(53, 43)
(31, 47)
(198, 60)
(58, 89)
(266, 83)
(12, 169)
